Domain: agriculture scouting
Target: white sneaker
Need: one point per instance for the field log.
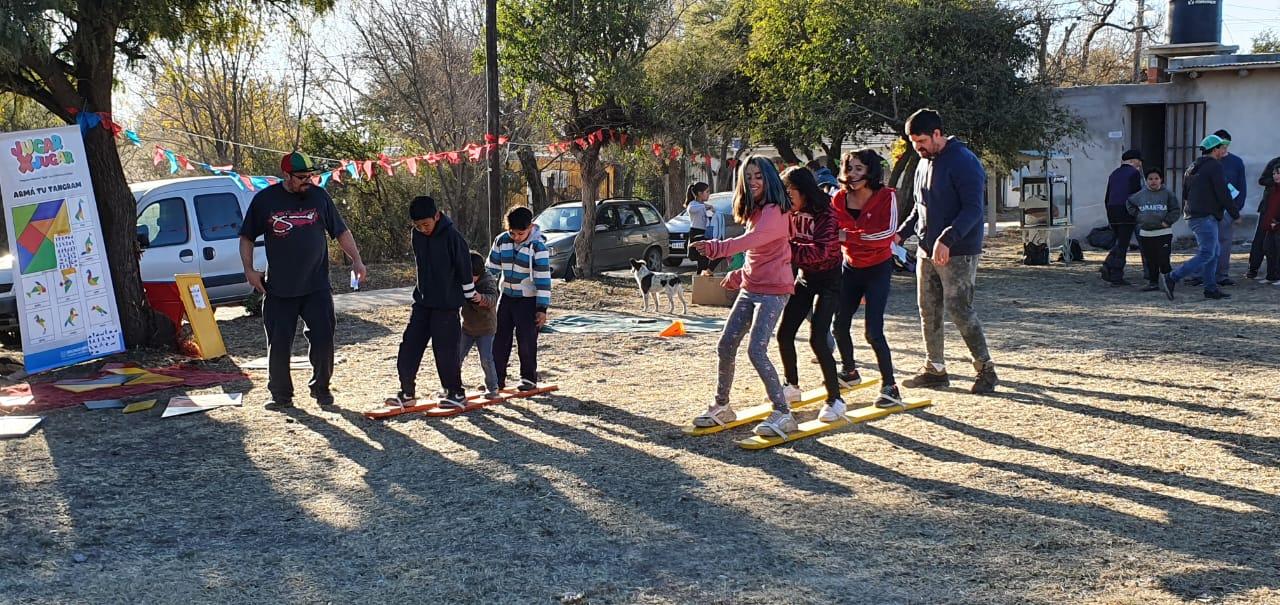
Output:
(792, 393)
(778, 424)
(1276, 282)
(715, 415)
(832, 411)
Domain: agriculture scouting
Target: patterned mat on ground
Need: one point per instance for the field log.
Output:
(586, 322)
(47, 396)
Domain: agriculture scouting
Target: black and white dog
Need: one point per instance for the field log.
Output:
(649, 283)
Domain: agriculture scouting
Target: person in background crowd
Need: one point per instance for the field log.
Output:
(1207, 200)
(1270, 224)
(1233, 172)
(1268, 183)
(695, 201)
(1155, 209)
(1124, 181)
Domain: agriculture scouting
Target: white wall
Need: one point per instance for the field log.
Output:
(1245, 106)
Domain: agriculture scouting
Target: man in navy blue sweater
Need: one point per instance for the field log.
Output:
(950, 186)
(1124, 181)
(1233, 171)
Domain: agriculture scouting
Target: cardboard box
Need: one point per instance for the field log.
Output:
(707, 291)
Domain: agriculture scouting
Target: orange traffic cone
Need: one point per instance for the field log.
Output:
(675, 329)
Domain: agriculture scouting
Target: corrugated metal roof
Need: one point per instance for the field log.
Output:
(1221, 62)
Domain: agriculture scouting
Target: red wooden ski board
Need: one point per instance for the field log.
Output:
(504, 395)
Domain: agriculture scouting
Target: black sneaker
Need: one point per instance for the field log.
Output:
(279, 403)
(527, 385)
(324, 398)
(1166, 285)
(849, 378)
(456, 399)
(1226, 281)
(1216, 294)
(889, 398)
(928, 379)
(986, 381)
(1251, 275)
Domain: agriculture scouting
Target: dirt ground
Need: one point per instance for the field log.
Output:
(1130, 456)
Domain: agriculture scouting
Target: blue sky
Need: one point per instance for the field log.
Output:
(1243, 19)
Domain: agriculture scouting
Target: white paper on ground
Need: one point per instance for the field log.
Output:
(18, 426)
(190, 404)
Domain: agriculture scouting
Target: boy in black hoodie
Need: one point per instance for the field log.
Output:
(444, 284)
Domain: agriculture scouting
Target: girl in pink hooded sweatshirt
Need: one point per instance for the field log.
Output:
(764, 282)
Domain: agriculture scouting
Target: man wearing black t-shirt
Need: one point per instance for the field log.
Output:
(295, 217)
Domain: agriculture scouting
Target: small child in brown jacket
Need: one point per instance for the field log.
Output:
(480, 323)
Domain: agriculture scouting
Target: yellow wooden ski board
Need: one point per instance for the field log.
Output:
(815, 426)
(204, 328)
(760, 412)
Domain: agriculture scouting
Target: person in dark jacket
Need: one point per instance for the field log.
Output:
(1207, 199)
(1233, 172)
(950, 185)
(1124, 181)
(1155, 210)
(444, 283)
(1255, 249)
(1269, 221)
(294, 216)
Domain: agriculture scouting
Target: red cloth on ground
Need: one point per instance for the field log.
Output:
(49, 397)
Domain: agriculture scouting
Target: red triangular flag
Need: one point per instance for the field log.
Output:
(675, 153)
(622, 138)
(159, 155)
(336, 175)
(657, 150)
(368, 169)
(184, 163)
(453, 157)
(412, 164)
(248, 182)
(502, 140)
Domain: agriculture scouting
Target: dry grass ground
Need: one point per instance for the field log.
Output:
(1130, 456)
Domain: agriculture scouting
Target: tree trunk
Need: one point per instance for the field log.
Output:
(589, 164)
(785, 151)
(677, 187)
(628, 181)
(532, 178)
(834, 150)
(118, 211)
(903, 178)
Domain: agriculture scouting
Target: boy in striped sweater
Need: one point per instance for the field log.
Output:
(519, 259)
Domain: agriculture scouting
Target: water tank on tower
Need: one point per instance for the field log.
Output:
(1195, 21)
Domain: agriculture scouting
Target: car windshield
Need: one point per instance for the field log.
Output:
(722, 202)
(560, 219)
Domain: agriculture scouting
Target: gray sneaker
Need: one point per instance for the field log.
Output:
(715, 415)
(778, 424)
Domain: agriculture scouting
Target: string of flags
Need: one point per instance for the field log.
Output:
(370, 168)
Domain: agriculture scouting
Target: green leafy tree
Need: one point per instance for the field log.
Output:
(1267, 41)
(853, 66)
(584, 58)
(63, 54)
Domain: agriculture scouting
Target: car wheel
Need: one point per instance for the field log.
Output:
(653, 257)
(569, 268)
(673, 262)
(11, 338)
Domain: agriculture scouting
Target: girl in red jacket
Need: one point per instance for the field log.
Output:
(765, 282)
(867, 213)
(815, 252)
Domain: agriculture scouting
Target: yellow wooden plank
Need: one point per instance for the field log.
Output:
(760, 412)
(139, 406)
(815, 426)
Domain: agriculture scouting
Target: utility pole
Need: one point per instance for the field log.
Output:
(1139, 32)
(491, 89)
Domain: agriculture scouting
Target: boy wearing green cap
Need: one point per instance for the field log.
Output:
(1207, 198)
(295, 217)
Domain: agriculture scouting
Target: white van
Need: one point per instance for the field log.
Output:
(192, 225)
